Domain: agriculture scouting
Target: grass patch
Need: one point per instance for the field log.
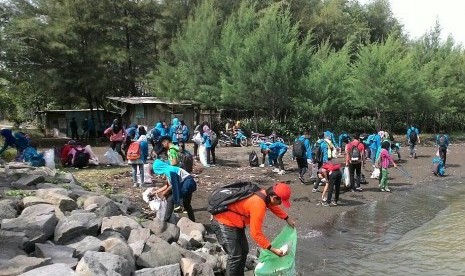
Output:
(99, 179)
(18, 193)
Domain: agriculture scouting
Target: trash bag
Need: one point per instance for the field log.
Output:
(147, 178)
(49, 157)
(113, 157)
(375, 174)
(271, 265)
(198, 139)
(346, 177)
(203, 155)
(161, 209)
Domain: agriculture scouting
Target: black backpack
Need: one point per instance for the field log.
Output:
(298, 149)
(317, 153)
(355, 155)
(187, 162)
(253, 159)
(81, 158)
(413, 137)
(221, 197)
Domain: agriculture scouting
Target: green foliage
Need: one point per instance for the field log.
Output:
(18, 193)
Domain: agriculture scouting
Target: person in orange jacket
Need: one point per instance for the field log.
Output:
(230, 225)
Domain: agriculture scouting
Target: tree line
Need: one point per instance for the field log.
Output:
(308, 63)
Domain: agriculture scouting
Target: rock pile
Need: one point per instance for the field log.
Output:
(55, 227)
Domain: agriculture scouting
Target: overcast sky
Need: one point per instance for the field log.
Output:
(419, 16)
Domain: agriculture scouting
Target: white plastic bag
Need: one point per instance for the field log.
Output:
(113, 157)
(198, 139)
(375, 174)
(346, 177)
(203, 155)
(49, 157)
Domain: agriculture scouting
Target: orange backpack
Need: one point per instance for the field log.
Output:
(133, 152)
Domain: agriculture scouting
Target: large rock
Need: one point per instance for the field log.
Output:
(103, 263)
(121, 224)
(58, 254)
(105, 206)
(164, 230)
(11, 245)
(76, 224)
(83, 244)
(27, 180)
(21, 264)
(187, 226)
(120, 248)
(171, 270)
(137, 248)
(215, 261)
(189, 254)
(193, 268)
(110, 234)
(158, 252)
(58, 197)
(33, 200)
(51, 270)
(37, 222)
(8, 209)
(139, 234)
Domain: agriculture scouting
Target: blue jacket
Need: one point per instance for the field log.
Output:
(185, 133)
(324, 149)
(144, 151)
(446, 140)
(278, 149)
(343, 137)
(207, 141)
(173, 175)
(438, 166)
(173, 128)
(308, 147)
(329, 135)
(410, 131)
(7, 134)
(376, 144)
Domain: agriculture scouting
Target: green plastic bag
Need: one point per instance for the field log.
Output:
(269, 264)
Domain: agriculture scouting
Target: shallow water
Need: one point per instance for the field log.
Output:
(417, 231)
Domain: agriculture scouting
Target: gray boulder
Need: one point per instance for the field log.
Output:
(51, 270)
(172, 270)
(189, 254)
(120, 248)
(158, 252)
(103, 263)
(121, 224)
(33, 200)
(191, 267)
(58, 254)
(110, 234)
(27, 180)
(187, 226)
(197, 236)
(58, 197)
(76, 224)
(139, 234)
(164, 230)
(12, 244)
(37, 222)
(137, 248)
(46, 186)
(105, 206)
(8, 209)
(83, 244)
(21, 264)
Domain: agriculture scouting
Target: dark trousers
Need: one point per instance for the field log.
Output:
(116, 146)
(186, 202)
(302, 165)
(316, 167)
(196, 150)
(355, 169)
(443, 154)
(279, 163)
(74, 134)
(234, 242)
(211, 151)
(334, 184)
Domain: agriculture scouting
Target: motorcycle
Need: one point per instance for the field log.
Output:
(258, 138)
(227, 140)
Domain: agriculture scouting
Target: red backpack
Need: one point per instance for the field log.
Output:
(133, 152)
